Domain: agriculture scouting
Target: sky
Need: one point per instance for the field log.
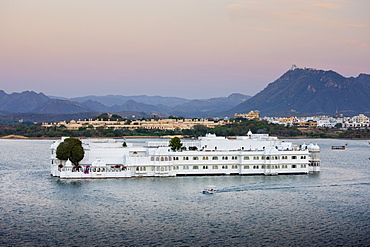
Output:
(194, 49)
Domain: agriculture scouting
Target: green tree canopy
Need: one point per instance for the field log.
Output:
(77, 154)
(175, 144)
(176, 117)
(116, 117)
(70, 148)
(106, 117)
(103, 116)
(63, 152)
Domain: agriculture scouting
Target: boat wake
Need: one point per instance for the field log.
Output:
(251, 188)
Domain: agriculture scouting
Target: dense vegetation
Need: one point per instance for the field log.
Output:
(175, 144)
(106, 117)
(71, 148)
(240, 127)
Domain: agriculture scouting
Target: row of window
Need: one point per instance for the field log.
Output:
(164, 158)
(227, 157)
(205, 167)
(93, 169)
(314, 164)
(214, 167)
(273, 157)
(162, 168)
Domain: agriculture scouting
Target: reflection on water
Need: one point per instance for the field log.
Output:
(325, 209)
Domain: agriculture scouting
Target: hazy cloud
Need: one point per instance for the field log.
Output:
(353, 42)
(298, 12)
(357, 25)
(326, 5)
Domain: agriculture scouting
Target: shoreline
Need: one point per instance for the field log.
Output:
(18, 137)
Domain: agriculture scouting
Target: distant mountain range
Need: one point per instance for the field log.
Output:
(16, 104)
(311, 92)
(111, 100)
(296, 92)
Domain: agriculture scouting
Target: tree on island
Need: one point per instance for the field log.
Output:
(71, 148)
(175, 144)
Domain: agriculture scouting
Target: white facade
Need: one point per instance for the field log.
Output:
(359, 121)
(169, 124)
(254, 154)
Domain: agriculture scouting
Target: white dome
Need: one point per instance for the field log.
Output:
(68, 163)
(313, 146)
(304, 146)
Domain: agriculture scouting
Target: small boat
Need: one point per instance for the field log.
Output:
(338, 147)
(209, 189)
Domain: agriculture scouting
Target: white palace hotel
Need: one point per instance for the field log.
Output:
(253, 154)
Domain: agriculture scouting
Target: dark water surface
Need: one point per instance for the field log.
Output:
(331, 208)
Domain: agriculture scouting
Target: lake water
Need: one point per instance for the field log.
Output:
(331, 208)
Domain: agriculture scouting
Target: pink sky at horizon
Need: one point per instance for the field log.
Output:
(185, 48)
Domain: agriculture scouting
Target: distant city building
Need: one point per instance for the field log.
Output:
(361, 118)
(359, 121)
(305, 124)
(250, 115)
